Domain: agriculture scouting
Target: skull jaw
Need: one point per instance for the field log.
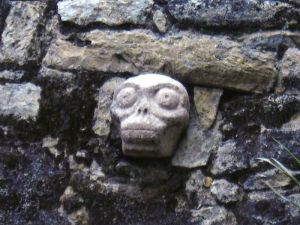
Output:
(145, 151)
(140, 150)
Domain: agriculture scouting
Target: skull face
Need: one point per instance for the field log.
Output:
(151, 111)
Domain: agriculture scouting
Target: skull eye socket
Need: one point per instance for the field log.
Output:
(126, 97)
(167, 98)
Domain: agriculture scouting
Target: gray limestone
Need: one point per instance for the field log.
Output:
(20, 101)
(84, 12)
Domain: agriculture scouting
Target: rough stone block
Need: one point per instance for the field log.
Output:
(102, 117)
(238, 13)
(227, 161)
(213, 215)
(11, 75)
(84, 12)
(196, 146)
(206, 102)
(20, 101)
(226, 192)
(196, 59)
(19, 38)
(289, 76)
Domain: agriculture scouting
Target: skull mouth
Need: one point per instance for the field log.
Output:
(136, 140)
(138, 136)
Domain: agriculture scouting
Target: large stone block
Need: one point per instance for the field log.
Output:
(197, 145)
(19, 38)
(197, 59)
(238, 13)
(84, 12)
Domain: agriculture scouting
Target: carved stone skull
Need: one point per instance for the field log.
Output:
(151, 111)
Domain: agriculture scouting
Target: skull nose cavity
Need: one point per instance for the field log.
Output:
(143, 110)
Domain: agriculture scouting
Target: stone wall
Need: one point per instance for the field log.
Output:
(60, 154)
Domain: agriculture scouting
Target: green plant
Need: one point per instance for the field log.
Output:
(275, 163)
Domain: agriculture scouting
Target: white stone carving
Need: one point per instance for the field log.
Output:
(152, 111)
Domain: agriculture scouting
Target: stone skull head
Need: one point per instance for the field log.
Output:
(151, 111)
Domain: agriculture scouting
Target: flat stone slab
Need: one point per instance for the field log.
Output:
(20, 100)
(11, 75)
(196, 146)
(84, 12)
(195, 59)
(19, 41)
(237, 13)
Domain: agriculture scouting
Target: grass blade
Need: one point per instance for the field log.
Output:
(280, 167)
(288, 150)
(281, 196)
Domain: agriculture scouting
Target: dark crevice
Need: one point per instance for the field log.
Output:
(4, 10)
(69, 27)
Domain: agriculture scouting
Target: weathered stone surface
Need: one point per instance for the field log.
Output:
(294, 210)
(83, 12)
(67, 77)
(51, 144)
(293, 124)
(120, 190)
(160, 21)
(196, 190)
(102, 115)
(19, 38)
(4, 8)
(31, 181)
(249, 123)
(226, 160)
(94, 180)
(213, 215)
(277, 41)
(80, 216)
(148, 174)
(259, 207)
(142, 200)
(289, 76)
(203, 59)
(290, 63)
(206, 102)
(197, 145)
(295, 1)
(273, 177)
(237, 13)
(68, 198)
(226, 192)
(11, 75)
(20, 100)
